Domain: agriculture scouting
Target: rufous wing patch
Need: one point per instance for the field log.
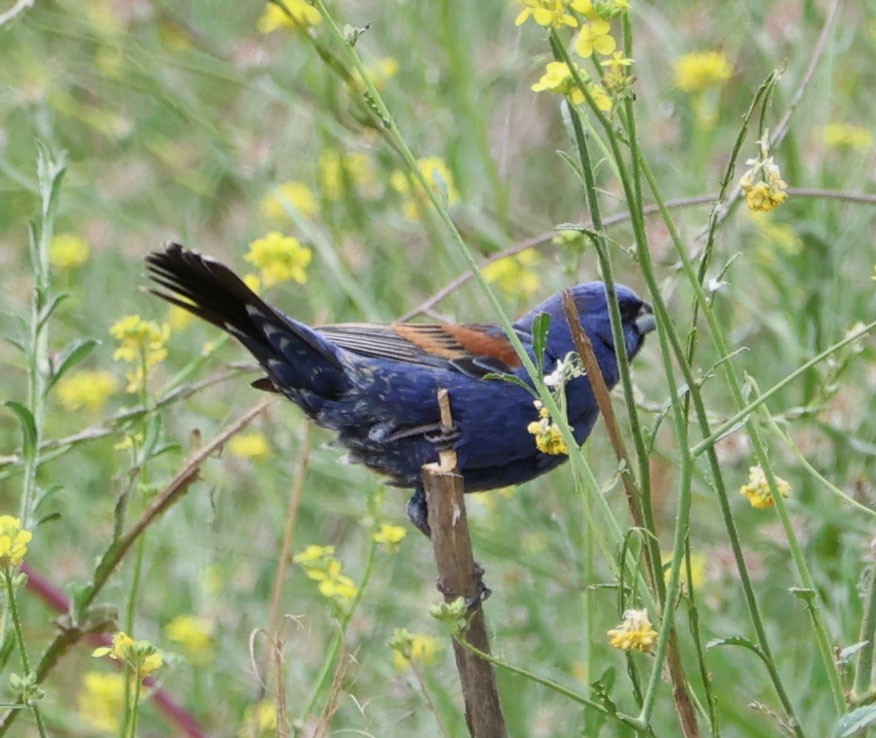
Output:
(478, 343)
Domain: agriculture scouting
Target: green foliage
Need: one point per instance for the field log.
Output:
(183, 121)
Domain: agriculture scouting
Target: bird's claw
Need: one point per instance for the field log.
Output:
(482, 594)
(444, 438)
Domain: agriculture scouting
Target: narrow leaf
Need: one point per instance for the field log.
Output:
(28, 426)
(855, 721)
(75, 353)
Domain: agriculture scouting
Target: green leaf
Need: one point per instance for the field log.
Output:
(735, 641)
(855, 721)
(75, 353)
(49, 309)
(28, 426)
(540, 327)
(846, 654)
(802, 593)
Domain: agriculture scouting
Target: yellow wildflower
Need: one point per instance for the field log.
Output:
(13, 541)
(697, 568)
(757, 491)
(389, 536)
(436, 173)
(339, 171)
(296, 194)
(280, 258)
(634, 633)
(847, 136)
(413, 648)
(595, 36)
(516, 274)
(141, 656)
(333, 584)
(558, 79)
(548, 436)
(547, 13)
(301, 15)
(101, 702)
(178, 318)
(259, 720)
(194, 635)
(68, 251)
(253, 282)
(250, 446)
(140, 341)
(699, 71)
(762, 183)
(314, 555)
(86, 389)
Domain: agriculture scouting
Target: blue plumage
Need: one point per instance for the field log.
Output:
(376, 385)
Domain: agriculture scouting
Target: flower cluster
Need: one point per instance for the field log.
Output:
(548, 436)
(279, 258)
(757, 491)
(340, 171)
(87, 389)
(515, 274)
(250, 446)
(297, 15)
(321, 566)
(296, 195)
(635, 633)
(594, 37)
(13, 541)
(439, 177)
(68, 251)
(194, 635)
(699, 71)
(389, 536)
(413, 648)
(140, 656)
(141, 343)
(762, 183)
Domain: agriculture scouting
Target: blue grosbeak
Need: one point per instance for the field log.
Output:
(376, 385)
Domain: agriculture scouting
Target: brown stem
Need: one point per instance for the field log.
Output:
(458, 578)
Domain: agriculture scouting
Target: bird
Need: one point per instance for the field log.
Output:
(375, 385)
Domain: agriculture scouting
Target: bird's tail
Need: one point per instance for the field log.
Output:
(294, 355)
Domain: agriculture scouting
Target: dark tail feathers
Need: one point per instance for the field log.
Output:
(293, 354)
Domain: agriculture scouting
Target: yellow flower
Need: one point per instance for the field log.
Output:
(314, 555)
(101, 701)
(558, 79)
(339, 171)
(333, 584)
(139, 340)
(389, 536)
(547, 13)
(301, 15)
(259, 720)
(634, 633)
(86, 389)
(548, 436)
(178, 318)
(874, 273)
(762, 183)
(595, 36)
(13, 541)
(417, 648)
(436, 173)
(516, 274)
(280, 258)
(698, 72)
(195, 636)
(697, 568)
(847, 136)
(757, 491)
(253, 282)
(296, 194)
(250, 446)
(141, 656)
(68, 251)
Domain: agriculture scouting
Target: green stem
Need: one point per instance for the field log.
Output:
(12, 607)
(863, 687)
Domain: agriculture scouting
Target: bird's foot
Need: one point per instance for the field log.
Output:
(443, 437)
(483, 591)
(418, 513)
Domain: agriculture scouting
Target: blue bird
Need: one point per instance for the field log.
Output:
(376, 385)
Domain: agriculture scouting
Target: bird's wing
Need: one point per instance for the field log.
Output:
(472, 349)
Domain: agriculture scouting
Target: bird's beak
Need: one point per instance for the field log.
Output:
(645, 321)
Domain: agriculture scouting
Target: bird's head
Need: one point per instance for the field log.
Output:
(637, 320)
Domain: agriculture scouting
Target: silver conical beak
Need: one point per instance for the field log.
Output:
(645, 321)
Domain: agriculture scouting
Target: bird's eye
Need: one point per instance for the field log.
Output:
(629, 309)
